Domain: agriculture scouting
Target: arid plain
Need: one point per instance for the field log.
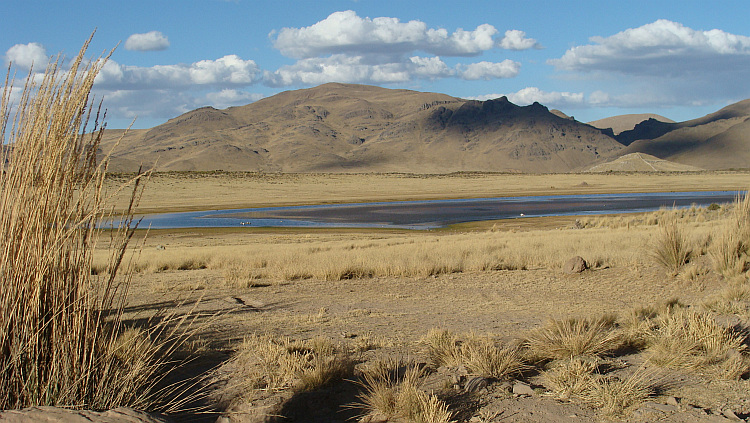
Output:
(379, 295)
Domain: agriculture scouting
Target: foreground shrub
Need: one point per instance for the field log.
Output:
(62, 340)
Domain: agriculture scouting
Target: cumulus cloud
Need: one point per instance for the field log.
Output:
(661, 48)
(26, 55)
(359, 69)
(347, 33)
(530, 95)
(516, 40)
(149, 41)
(226, 71)
(231, 97)
(489, 70)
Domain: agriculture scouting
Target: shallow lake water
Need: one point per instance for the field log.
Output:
(435, 213)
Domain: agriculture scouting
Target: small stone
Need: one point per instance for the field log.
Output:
(575, 265)
(161, 247)
(728, 413)
(673, 401)
(475, 384)
(520, 388)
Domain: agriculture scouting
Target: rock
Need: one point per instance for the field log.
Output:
(475, 384)
(62, 415)
(728, 413)
(520, 388)
(575, 265)
(161, 247)
(673, 401)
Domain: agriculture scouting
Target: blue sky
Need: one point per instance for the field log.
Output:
(590, 59)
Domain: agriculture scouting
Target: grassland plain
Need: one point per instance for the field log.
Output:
(375, 294)
(184, 191)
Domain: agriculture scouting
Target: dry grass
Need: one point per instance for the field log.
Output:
(671, 249)
(691, 339)
(480, 355)
(615, 396)
(730, 251)
(392, 390)
(572, 377)
(732, 299)
(263, 363)
(62, 337)
(571, 337)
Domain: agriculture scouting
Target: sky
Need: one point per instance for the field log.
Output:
(681, 59)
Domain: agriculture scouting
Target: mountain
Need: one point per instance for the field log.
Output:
(639, 162)
(719, 140)
(623, 123)
(358, 128)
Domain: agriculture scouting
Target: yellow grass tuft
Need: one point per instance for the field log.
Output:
(694, 340)
(671, 249)
(729, 253)
(573, 337)
(480, 355)
(392, 390)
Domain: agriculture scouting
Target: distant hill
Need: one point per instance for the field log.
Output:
(358, 128)
(622, 123)
(719, 140)
(639, 162)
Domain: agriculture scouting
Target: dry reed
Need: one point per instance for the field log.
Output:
(62, 340)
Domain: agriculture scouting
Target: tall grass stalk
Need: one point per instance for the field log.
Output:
(60, 326)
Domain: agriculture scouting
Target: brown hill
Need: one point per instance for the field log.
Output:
(344, 127)
(719, 140)
(623, 123)
(639, 162)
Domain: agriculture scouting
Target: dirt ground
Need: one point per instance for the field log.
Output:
(394, 313)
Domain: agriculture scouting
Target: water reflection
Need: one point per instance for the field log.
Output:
(434, 214)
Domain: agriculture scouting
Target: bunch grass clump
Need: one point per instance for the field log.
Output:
(265, 364)
(729, 253)
(479, 354)
(62, 337)
(392, 390)
(694, 340)
(572, 337)
(672, 248)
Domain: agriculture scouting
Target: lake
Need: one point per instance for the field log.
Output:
(434, 213)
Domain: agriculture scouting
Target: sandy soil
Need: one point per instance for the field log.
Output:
(394, 313)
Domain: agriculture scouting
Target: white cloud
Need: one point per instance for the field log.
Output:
(663, 64)
(359, 69)
(661, 48)
(339, 68)
(24, 55)
(229, 97)
(530, 95)
(489, 70)
(347, 33)
(227, 71)
(516, 40)
(149, 41)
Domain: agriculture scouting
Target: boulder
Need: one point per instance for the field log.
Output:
(575, 265)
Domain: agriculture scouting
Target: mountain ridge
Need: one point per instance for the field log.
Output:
(339, 127)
